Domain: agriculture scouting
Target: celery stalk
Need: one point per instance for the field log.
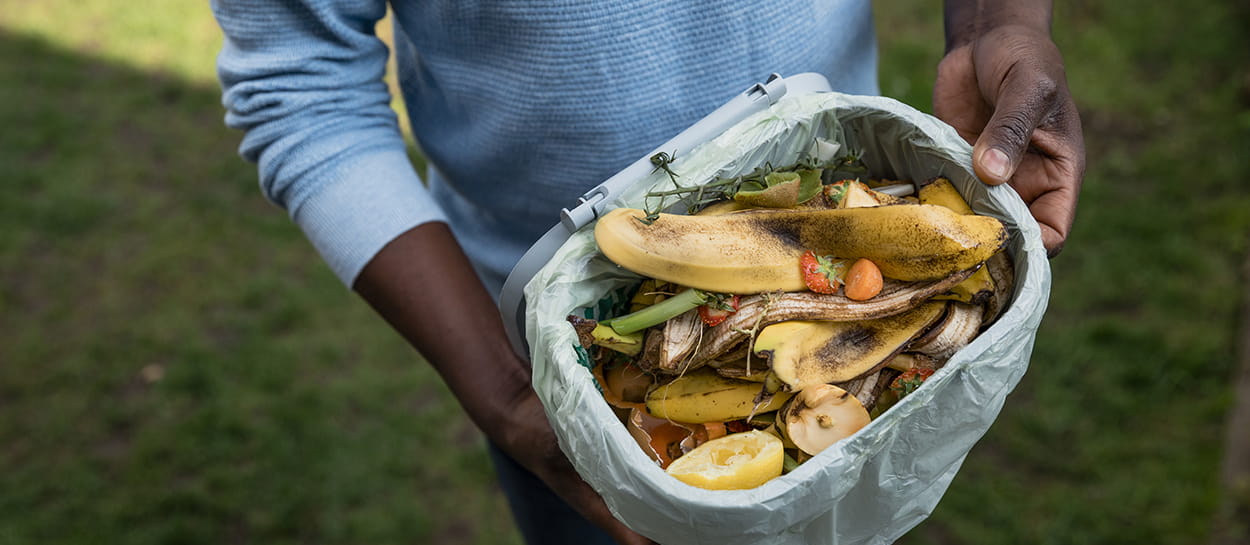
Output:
(658, 313)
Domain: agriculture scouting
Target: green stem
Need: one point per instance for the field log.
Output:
(689, 190)
(658, 313)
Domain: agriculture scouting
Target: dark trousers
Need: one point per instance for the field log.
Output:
(542, 517)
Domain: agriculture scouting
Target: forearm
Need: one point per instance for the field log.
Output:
(967, 19)
(303, 79)
(423, 285)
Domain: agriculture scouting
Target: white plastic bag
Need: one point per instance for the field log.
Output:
(871, 488)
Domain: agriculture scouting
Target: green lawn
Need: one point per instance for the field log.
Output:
(177, 366)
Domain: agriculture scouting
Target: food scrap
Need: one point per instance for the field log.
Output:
(784, 316)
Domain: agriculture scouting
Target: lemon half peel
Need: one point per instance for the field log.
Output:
(733, 462)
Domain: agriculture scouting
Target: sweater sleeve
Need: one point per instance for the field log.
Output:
(303, 80)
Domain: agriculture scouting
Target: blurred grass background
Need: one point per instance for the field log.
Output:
(177, 366)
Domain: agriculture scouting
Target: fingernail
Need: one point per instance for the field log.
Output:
(995, 163)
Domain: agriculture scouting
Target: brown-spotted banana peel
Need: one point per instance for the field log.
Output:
(803, 354)
(758, 311)
(978, 289)
(956, 329)
(704, 396)
(758, 251)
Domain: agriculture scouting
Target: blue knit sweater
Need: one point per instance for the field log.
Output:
(519, 105)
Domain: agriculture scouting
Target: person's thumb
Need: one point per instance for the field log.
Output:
(1021, 104)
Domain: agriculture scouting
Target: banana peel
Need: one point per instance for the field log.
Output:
(755, 370)
(704, 396)
(592, 333)
(758, 251)
(958, 327)
(978, 289)
(803, 354)
(722, 207)
(766, 309)
(1002, 273)
(910, 360)
(941, 192)
(648, 293)
(605, 336)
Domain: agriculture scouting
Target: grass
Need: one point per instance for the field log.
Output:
(177, 366)
(1115, 434)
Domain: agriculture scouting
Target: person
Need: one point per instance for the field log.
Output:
(520, 107)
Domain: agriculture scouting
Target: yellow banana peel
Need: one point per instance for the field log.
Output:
(758, 251)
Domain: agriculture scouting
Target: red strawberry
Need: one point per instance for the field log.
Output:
(911, 379)
(719, 308)
(822, 274)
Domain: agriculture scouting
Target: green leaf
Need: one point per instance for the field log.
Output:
(833, 269)
(781, 195)
(788, 464)
(778, 178)
(809, 184)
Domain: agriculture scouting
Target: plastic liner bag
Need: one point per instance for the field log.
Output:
(870, 488)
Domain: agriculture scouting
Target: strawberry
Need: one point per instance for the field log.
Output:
(822, 274)
(719, 308)
(911, 379)
(834, 191)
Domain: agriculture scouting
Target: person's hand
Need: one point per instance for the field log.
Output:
(530, 441)
(424, 286)
(1006, 93)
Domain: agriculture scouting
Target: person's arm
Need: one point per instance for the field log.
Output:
(303, 79)
(1002, 85)
(423, 285)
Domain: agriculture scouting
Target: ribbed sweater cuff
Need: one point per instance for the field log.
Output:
(366, 202)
